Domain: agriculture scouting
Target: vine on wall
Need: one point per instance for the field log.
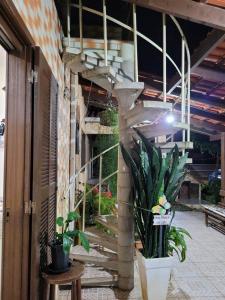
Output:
(102, 142)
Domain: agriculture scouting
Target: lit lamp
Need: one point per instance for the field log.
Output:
(170, 119)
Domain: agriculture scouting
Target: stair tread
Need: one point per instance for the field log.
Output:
(108, 221)
(94, 254)
(98, 236)
(181, 145)
(98, 276)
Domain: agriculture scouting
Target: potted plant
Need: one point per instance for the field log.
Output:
(64, 239)
(156, 183)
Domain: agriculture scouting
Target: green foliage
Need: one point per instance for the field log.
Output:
(109, 117)
(153, 176)
(102, 142)
(205, 146)
(176, 242)
(66, 236)
(211, 191)
(107, 204)
(92, 205)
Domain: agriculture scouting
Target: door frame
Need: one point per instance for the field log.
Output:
(17, 41)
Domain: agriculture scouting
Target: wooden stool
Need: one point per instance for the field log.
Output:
(73, 275)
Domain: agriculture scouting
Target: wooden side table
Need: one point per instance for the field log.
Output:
(72, 276)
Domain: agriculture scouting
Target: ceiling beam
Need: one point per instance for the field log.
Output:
(213, 39)
(187, 9)
(204, 126)
(203, 113)
(210, 74)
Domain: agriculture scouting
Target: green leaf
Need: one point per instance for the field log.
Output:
(72, 233)
(84, 241)
(67, 243)
(60, 221)
(72, 216)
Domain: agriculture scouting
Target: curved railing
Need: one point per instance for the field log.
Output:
(183, 72)
(75, 181)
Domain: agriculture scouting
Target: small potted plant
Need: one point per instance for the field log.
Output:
(64, 239)
(156, 184)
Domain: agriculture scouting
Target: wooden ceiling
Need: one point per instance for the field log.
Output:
(218, 3)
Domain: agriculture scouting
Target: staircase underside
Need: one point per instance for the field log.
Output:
(104, 77)
(160, 129)
(147, 111)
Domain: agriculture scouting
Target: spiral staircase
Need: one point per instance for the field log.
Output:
(113, 66)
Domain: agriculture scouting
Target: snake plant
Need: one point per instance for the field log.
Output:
(156, 184)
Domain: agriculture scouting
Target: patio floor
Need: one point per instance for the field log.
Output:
(201, 276)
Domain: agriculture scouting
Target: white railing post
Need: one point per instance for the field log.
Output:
(84, 200)
(81, 25)
(100, 186)
(183, 86)
(135, 43)
(164, 57)
(105, 33)
(189, 101)
(68, 21)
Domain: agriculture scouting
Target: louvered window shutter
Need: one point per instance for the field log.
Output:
(44, 169)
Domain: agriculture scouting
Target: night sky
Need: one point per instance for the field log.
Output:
(148, 22)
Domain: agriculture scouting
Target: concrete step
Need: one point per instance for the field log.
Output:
(106, 260)
(108, 221)
(96, 128)
(170, 145)
(101, 238)
(147, 111)
(92, 44)
(82, 61)
(104, 77)
(100, 281)
(127, 92)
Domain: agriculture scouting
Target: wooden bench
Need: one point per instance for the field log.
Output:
(215, 217)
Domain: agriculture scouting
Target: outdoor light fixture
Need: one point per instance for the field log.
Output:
(170, 119)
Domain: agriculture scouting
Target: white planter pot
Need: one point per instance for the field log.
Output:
(154, 276)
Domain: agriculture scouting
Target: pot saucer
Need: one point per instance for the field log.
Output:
(50, 270)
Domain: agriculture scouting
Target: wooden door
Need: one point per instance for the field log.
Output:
(44, 169)
(15, 266)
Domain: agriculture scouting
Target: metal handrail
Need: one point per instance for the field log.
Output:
(72, 181)
(125, 26)
(184, 74)
(89, 192)
(185, 114)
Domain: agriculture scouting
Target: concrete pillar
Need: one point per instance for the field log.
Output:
(127, 53)
(125, 212)
(72, 162)
(222, 192)
(125, 216)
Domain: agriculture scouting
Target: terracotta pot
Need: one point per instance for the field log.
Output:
(138, 245)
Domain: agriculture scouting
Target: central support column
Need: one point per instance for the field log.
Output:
(222, 192)
(125, 215)
(126, 94)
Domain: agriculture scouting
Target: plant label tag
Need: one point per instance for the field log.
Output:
(161, 220)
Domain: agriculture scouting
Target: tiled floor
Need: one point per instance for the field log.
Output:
(201, 276)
